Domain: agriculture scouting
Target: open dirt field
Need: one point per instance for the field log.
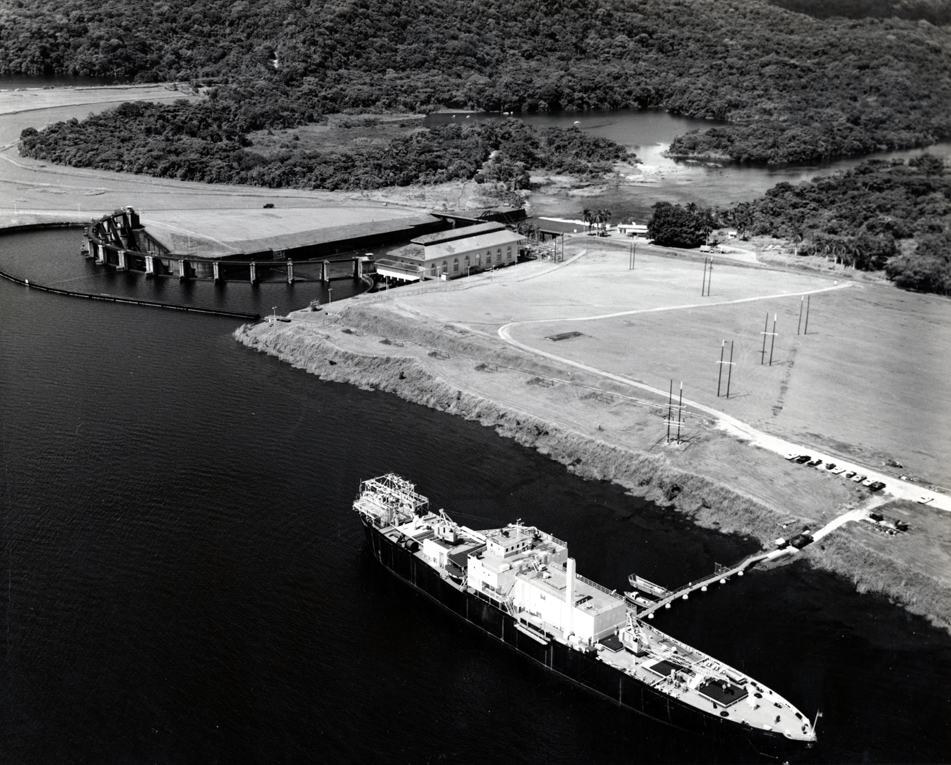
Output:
(867, 382)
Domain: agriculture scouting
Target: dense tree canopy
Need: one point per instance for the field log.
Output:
(210, 142)
(792, 87)
(894, 215)
(680, 226)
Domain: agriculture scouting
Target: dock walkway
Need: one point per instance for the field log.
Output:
(721, 576)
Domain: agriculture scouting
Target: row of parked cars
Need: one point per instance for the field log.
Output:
(830, 467)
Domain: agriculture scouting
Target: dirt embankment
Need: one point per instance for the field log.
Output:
(317, 349)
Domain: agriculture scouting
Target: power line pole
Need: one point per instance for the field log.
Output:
(632, 254)
(680, 410)
(772, 341)
(729, 374)
(802, 299)
(806, 330)
(762, 355)
(720, 366)
(670, 401)
(670, 410)
(707, 280)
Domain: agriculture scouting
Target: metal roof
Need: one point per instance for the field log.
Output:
(457, 233)
(473, 244)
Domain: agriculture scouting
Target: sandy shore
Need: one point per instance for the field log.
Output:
(597, 401)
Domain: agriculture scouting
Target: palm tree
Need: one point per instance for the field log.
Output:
(588, 218)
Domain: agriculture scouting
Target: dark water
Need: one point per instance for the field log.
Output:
(186, 582)
(70, 271)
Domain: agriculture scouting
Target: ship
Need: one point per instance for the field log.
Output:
(519, 585)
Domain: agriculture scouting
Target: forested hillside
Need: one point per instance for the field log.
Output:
(793, 87)
(892, 215)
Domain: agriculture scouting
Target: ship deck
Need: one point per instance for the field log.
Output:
(700, 681)
(661, 662)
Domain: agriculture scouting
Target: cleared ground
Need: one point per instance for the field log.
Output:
(868, 381)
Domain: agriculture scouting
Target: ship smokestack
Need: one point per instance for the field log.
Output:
(569, 594)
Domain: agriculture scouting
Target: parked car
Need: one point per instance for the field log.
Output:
(800, 540)
(849, 474)
(868, 482)
(791, 456)
(813, 463)
(877, 486)
(830, 466)
(838, 471)
(802, 459)
(859, 478)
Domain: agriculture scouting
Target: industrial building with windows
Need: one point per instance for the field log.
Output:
(451, 254)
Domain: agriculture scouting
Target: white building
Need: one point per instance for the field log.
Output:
(451, 254)
(632, 229)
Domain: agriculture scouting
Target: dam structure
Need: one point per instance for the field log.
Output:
(251, 245)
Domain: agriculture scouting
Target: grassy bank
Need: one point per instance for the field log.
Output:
(650, 475)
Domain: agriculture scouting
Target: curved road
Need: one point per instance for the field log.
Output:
(730, 424)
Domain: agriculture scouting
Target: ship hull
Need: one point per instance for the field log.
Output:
(577, 667)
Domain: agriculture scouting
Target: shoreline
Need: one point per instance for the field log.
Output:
(323, 347)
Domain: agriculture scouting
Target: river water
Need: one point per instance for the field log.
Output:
(186, 581)
(648, 133)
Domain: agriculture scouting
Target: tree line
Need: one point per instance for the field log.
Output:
(210, 142)
(790, 88)
(892, 215)
(882, 215)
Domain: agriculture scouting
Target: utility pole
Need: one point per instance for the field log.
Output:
(632, 254)
(762, 355)
(806, 330)
(772, 341)
(729, 374)
(802, 299)
(680, 410)
(670, 400)
(704, 290)
(679, 407)
(720, 366)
